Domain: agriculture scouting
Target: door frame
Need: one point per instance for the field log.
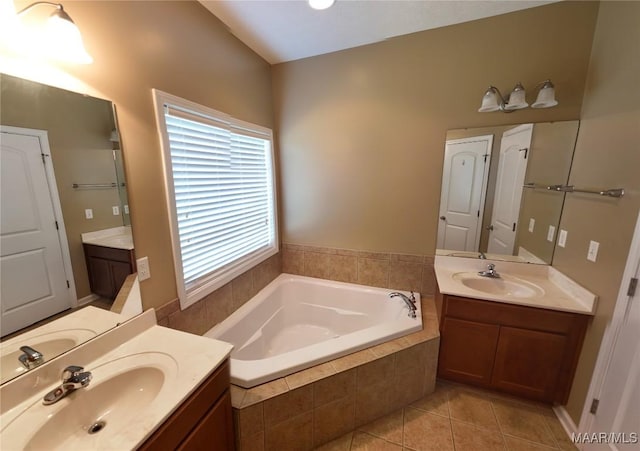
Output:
(43, 138)
(485, 181)
(611, 334)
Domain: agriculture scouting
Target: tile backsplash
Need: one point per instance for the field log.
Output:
(384, 270)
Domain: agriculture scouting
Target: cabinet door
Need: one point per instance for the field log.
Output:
(467, 351)
(119, 271)
(215, 431)
(100, 277)
(529, 362)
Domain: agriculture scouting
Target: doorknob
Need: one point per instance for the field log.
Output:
(489, 227)
(444, 218)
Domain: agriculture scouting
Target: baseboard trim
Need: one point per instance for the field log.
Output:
(566, 421)
(85, 300)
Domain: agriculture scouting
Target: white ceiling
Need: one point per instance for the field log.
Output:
(286, 30)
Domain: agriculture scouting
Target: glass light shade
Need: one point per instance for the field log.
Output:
(546, 96)
(64, 41)
(517, 99)
(489, 101)
(321, 4)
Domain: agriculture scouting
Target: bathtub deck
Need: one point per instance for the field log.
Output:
(313, 406)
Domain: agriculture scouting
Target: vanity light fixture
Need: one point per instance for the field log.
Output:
(494, 101)
(321, 4)
(63, 38)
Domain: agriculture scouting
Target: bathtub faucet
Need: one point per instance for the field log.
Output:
(410, 301)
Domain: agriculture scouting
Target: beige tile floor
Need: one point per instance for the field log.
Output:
(461, 418)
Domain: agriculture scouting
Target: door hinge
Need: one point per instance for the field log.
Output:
(633, 284)
(57, 228)
(478, 213)
(514, 227)
(42, 155)
(594, 406)
(485, 157)
(68, 284)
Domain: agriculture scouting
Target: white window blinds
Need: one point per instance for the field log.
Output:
(223, 189)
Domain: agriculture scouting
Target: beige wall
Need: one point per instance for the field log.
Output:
(361, 131)
(606, 156)
(78, 129)
(178, 47)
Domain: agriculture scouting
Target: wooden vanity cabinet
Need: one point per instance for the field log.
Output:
(525, 351)
(108, 268)
(203, 422)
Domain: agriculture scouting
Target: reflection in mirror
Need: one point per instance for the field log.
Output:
(62, 186)
(494, 197)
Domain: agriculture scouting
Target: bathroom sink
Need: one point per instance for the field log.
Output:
(120, 392)
(49, 345)
(502, 286)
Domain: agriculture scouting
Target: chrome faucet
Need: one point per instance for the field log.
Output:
(410, 301)
(490, 272)
(31, 358)
(73, 377)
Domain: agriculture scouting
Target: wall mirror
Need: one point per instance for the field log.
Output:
(496, 195)
(62, 187)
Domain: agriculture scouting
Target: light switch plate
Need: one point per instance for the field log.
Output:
(532, 223)
(126, 209)
(562, 238)
(116, 210)
(551, 234)
(144, 272)
(592, 255)
(88, 213)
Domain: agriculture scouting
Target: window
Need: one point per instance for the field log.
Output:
(220, 194)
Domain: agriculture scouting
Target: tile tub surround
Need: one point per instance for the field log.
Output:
(377, 269)
(217, 306)
(311, 407)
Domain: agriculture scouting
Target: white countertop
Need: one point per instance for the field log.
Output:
(559, 292)
(186, 360)
(116, 237)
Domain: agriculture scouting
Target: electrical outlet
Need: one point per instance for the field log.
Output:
(88, 213)
(144, 272)
(551, 233)
(116, 210)
(532, 223)
(562, 238)
(592, 255)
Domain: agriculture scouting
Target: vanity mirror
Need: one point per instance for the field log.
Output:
(62, 185)
(496, 195)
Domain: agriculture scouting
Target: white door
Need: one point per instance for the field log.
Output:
(512, 166)
(34, 283)
(618, 412)
(464, 182)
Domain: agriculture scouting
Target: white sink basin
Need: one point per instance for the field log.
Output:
(88, 418)
(503, 286)
(49, 345)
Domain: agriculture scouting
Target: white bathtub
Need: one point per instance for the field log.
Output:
(297, 322)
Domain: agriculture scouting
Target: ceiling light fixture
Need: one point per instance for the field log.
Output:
(62, 38)
(321, 4)
(494, 101)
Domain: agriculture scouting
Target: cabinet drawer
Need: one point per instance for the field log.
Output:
(508, 315)
(108, 253)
